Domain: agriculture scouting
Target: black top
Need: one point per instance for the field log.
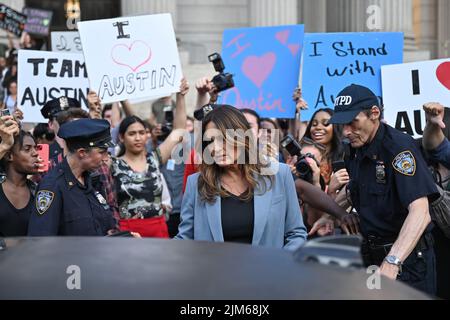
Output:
(385, 178)
(237, 219)
(13, 222)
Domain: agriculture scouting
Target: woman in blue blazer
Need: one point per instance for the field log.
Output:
(235, 197)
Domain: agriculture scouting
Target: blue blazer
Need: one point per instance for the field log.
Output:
(278, 221)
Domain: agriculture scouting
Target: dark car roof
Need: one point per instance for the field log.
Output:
(127, 268)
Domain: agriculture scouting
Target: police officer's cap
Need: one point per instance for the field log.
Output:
(53, 107)
(87, 133)
(351, 101)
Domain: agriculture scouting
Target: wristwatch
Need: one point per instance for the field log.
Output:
(395, 261)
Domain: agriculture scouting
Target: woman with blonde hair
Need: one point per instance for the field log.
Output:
(234, 197)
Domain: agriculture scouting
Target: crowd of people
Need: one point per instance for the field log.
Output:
(111, 173)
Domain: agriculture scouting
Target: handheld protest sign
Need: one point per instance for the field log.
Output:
(407, 87)
(43, 76)
(265, 63)
(38, 21)
(66, 41)
(11, 20)
(333, 61)
(131, 57)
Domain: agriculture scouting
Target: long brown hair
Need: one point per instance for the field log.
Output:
(226, 118)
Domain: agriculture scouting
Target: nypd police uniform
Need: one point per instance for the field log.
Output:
(386, 176)
(64, 206)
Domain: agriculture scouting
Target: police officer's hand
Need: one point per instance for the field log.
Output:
(323, 227)
(136, 235)
(389, 270)
(338, 180)
(434, 112)
(350, 224)
(8, 129)
(95, 105)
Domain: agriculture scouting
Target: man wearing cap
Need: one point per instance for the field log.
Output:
(50, 111)
(66, 203)
(390, 187)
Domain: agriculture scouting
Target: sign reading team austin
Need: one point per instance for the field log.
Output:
(135, 57)
(44, 76)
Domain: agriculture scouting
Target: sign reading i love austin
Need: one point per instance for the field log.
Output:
(131, 57)
(407, 87)
(265, 63)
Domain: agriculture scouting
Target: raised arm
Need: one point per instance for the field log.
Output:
(433, 135)
(179, 124)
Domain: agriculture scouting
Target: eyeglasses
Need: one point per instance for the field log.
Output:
(310, 142)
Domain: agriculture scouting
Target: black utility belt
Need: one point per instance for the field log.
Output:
(379, 244)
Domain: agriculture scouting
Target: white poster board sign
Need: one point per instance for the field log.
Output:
(66, 41)
(43, 76)
(131, 57)
(407, 87)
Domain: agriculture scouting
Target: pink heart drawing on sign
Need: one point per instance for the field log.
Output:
(294, 49)
(133, 56)
(258, 69)
(283, 36)
(443, 74)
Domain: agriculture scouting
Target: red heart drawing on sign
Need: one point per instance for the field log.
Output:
(133, 56)
(257, 69)
(443, 74)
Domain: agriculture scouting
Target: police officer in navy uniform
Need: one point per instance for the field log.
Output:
(50, 111)
(390, 188)
(66, 203)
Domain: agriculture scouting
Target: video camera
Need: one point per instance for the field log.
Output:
(222, 81)
(304, 171)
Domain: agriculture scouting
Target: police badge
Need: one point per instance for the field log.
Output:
(405, 163)
(44, 199)
(102, 200)
(63, 103)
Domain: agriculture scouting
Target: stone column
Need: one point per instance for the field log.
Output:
(395, 16)
(443, 29)
(313, 14)
(346, 15)
(352, 16)
(272, 13)
(425, 25)
(140, 7)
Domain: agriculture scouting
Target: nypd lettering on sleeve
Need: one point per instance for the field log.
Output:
(405, 163)
(44, 199)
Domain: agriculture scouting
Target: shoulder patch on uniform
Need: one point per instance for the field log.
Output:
(44, 199)
(405, 163)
